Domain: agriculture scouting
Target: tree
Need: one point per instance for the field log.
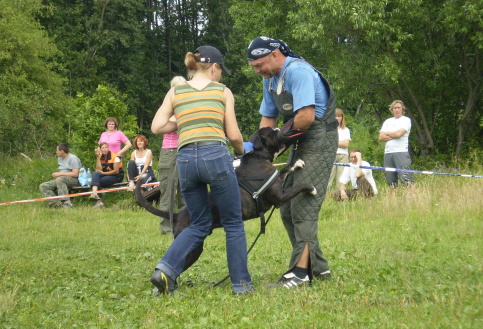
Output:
(32, 101)
(88, 115)
(423, 52)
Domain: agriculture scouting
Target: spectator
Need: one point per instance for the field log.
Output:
(342, 155)
(167, 173)
(114, 138)
(395, 132)
(205, 117)
(363, 183)
(299, 93)
(108, 172)
(68, 166)
(141, 162)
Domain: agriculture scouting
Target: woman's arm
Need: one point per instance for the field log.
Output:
(149, 158)
(98, 160)
(231, 126)
(161, 123)
(126, 147)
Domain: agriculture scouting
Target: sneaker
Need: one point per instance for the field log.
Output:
(131, 186)
(163, 282)
(290, 280)
(98, 205)
(55, 204)
(67, 204)
(94, 196)
(322, 276)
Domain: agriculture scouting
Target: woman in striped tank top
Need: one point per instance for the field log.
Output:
(205, 118)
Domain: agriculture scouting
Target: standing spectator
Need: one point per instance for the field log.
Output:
(141, 162)
(114, 138)
(342, 155)
(68, 166)
(395, 132)
(363, 183)
(108, 172)
(299, 93)
(167, 172)
(205, 116)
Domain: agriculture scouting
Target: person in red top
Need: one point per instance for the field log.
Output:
(108, 172)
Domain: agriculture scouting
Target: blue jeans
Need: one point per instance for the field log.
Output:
(198, 167)
(103, 181)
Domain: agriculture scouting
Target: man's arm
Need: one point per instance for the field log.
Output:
(304, 118)
(268, 122)
(74, 173)
(385, 136)
(358, 171)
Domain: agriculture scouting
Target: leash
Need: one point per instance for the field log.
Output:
(173, 186)
(249, 249)
(244, 182)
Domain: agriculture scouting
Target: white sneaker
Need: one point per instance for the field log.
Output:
(94, 196)
(98, 205)
(290, 280)
(67, 204)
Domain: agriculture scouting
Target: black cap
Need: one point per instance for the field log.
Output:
(210, 54)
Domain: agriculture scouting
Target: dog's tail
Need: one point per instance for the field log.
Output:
(138, 192)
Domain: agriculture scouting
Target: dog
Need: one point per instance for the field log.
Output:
(255, 168)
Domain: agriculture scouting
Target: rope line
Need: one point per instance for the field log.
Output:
(405, 170)
(275, 164)
(74, 194)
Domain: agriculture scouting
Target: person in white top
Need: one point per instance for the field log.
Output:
(363, 183)
(141, 162)
(342, 155)
(395, 132)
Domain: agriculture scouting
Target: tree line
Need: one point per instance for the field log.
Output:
(55, 55)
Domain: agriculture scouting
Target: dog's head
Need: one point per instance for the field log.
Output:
(265, 142)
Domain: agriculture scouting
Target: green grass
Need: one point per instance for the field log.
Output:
(401, 260)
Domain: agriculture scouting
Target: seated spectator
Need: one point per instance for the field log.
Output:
(108, 172)
(363, 183)
(137, 167)
(68, 166)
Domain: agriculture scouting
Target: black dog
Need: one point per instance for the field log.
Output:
(254, 170)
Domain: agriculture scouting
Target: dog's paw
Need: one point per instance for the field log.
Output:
(314, 192)
(298, 164)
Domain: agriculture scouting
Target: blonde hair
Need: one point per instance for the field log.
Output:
(193, 66)
(177, 80)
(391, 106)
(339, 112)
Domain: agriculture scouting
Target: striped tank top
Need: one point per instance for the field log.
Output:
(200, 114)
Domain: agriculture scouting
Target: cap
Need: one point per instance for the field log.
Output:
(210, 54)
(261, 47)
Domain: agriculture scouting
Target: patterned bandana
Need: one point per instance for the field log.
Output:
(262, 46)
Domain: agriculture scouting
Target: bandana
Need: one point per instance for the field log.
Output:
(262, 46)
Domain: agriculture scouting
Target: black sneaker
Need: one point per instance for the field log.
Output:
(163, 282)
(290, 280)
(322, 276)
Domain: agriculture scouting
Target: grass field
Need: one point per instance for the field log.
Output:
(402, 260)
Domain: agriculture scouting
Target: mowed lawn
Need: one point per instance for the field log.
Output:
(410, 259)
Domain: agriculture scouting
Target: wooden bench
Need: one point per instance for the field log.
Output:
(75, 189)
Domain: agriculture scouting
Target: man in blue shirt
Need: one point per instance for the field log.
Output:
(297, 92)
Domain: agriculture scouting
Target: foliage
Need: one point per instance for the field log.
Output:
(399, 260)
(32, 102)
(87, 119)
(400, 50)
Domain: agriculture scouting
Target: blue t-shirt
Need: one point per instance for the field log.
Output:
(303, 83)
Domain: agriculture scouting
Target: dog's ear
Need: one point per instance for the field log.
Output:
(257, 143)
